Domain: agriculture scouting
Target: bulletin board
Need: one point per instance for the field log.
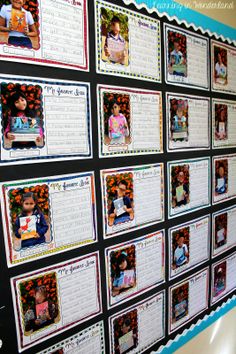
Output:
(118, 175)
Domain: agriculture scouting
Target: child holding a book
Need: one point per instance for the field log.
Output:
(181, 307)
(181, 252)
(18, 23)
(220, 282)
(114, 47)
(220, 71)
(121, 209)
(221, 180)
(118, 126)
(124, 277)
(22, 115)
(221, 126)
(30, 224)
(43, 313)
(180, 192)
(180, 125)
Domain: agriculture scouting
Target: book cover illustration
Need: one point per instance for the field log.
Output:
(28, 227)
(180, 193)
(117, 50)
(126, 342)
(42, 311)
(119, 206)
(129, 277)
(18, 21)
(25, 125)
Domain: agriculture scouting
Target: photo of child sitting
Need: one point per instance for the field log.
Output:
(221, 118)
(116, 109)
(120, 204)
(180, 302)
(115, 37)
(219, 279)
(221, 177)
(123, 275)
(180, 185)
(126, 333)
(17, 23)
(39, 300)
(22, 116)
(177, 54)
(220, 65)
(180, 247)
(179, 120)
(221, 222)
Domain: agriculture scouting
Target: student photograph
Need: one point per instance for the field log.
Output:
(126, 332)
(180, 247)
(39, 302)
(19, 23)
(179, 120)
(221, 222)
(177, 54)
(219, 279)
(180, 185)
(30, 216)
(220, 65)
(120, 198)
(180, 302)
(221, 177)
(22, 116)
(221, 122)
(123, 275)
(116, 110)
(115, 37)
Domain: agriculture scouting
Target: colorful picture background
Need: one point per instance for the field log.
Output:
(15, 201)
(219, 278)
(175, 170)
(223, 54)
(220, 223)
(132, 317)
(183, 292)
(218, 164)
(30, 5)
(185, 232)
(130, 251)
(218, 109)
(33, 95)
(27, 290)
(172, 36)
(174, 105)
(106, 17)
(113, 180)
(123, 101)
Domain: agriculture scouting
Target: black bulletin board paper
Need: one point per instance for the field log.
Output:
(27, 171)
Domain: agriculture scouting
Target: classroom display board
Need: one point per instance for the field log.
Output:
(117, 177)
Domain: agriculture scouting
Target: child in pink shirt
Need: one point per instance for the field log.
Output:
(118, 127)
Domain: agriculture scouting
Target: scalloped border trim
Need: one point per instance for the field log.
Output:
(142, 5)
(173, 344)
